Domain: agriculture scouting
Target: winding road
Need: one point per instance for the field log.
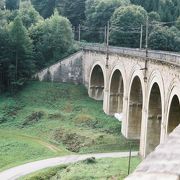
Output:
(22, 170)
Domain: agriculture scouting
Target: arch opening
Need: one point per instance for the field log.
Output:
(174, 114)
(135, 109)
(154, 119)
(116, 93)
(97, 83)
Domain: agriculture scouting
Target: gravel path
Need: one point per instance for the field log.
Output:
(22, 170)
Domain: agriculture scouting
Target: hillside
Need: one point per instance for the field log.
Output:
(47, 120)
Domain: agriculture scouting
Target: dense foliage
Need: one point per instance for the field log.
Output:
(2, 4)
(168, 9)
(165, 38)
(98, 13)
(16, 59)
(29, 15)
(12, 4)
(93, 16)
(73, 10)
(44, 7)
(29, 43)
(32, 36)
(53, 39)
(125, 22)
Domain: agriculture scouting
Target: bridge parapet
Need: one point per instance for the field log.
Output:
(166, 56)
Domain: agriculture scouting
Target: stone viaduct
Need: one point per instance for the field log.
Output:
(149, 98)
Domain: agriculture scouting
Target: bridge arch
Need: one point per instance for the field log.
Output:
(173, 111)
(135, 103)
(97, 81)
(117, 89)
(155, 111)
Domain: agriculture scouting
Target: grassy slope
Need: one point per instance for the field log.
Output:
(103, 169)
(69, 122)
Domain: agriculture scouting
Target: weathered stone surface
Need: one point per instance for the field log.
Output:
(67, 70)
(163, 163)
(152, 176)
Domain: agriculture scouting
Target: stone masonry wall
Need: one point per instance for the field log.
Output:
(68, 70)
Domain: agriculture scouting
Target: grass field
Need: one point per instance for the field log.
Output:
(47, 120)
(103, 169)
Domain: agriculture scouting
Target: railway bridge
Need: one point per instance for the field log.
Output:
(144, 87)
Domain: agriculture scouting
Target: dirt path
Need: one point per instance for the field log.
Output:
(22, 170)
(37, 140)
(51, 147)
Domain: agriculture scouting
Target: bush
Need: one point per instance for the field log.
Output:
(33, 118)
(9, 111)
(91, 160)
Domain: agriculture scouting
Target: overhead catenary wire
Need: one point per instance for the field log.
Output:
(124, 30)
(102, 31)
(128, 32)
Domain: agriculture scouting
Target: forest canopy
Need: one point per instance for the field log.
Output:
(37, 33)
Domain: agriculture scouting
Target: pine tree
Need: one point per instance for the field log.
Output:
(21, 54)
(44, 7)
(2, 4)
(169, 10)
(5, 61)
(73, 10)
(12, 4)
(149, 5)
(28, 14)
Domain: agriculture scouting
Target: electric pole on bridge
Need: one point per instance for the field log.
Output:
(107, 44)
(79, 34)
(141, 36)
(105, 35)
(146, 61)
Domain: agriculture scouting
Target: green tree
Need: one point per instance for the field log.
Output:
(5, 17)
(98, 13)
(177, 8)
(125, 25)
(22, 64)
(73, 10)
(177, 43)
(149, 5)
(5, 60)
(28, 14)
(169, 10)
(176, 38)
(44, 7)
(12, 4)
(53, 40)
(164, 38)
(2, 4)
(154, 17)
